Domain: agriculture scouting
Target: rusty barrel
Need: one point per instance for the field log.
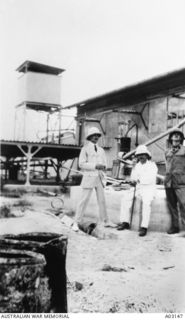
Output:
(53, 247)
(23, 285)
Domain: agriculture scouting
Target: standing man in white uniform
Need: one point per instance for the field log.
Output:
(92, 161)
(144, 175)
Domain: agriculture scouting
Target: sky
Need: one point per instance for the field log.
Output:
(102, 44)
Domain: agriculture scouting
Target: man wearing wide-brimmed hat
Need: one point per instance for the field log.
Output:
(144, 176)
(175, 179)
(92, 161)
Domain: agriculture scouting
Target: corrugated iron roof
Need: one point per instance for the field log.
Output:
(37, 143)
(158, 86)
(10, 148)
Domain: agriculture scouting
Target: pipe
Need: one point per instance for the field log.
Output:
(134, 125)
(80, 133)
(160, 136)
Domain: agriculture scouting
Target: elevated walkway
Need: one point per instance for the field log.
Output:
(16, 153)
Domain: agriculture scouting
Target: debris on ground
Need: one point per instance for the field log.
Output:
(87, 227)
(170, 267)
(78, 286)
(165, 250)
(107, 267)
(5, 211)
(75, 285)
(101, 234)
(66, 220)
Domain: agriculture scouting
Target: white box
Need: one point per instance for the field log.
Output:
(39, 88)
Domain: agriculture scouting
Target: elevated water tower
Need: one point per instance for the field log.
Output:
(39, 97)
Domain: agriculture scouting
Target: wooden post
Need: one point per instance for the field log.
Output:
(24, 122)
(29, 156)
(47, 128)
(60, 125)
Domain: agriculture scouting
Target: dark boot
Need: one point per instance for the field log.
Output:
(142, 232)
(123, 226)
(173, 230)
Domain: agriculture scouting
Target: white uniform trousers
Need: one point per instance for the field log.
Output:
(86, 194)
(144, 195)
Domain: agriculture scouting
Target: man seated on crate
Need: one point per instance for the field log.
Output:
(143, 177)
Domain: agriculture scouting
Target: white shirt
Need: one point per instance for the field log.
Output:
(145, 174)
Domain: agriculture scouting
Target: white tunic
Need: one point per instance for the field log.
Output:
(145, 174)
(88, 160)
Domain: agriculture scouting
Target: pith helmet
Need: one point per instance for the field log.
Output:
(142, 149)
(92, 131)
(178, 131)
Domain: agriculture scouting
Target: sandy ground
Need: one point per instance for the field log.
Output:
(125, 273)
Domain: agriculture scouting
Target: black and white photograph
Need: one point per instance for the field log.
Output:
(92, 158)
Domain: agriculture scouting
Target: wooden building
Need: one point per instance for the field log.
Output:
(135, 114)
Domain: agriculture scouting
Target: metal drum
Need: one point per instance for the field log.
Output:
(53, 247)
(23, 285)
